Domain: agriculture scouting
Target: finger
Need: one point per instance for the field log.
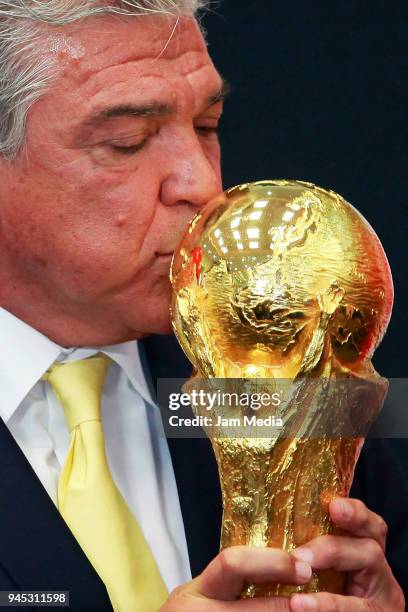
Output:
(199, 604)
(355, 517)
(344, 554)
(273, 604)
(327, 602)
(226, 576)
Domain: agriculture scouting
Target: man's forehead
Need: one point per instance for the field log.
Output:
(107, 42)
(134, 62)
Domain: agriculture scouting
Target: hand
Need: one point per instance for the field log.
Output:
(220, 584)
(370, 584)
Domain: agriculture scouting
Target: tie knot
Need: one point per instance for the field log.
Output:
(78, 386)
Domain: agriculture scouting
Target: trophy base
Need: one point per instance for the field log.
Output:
(277, 494)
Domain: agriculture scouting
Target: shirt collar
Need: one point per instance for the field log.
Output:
(127, 356)
(28, 354)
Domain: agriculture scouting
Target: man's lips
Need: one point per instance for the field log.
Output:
(166, 254)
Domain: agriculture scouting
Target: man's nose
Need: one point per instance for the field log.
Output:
(190, 177)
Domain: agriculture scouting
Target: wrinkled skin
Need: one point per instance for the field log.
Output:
(87, 229)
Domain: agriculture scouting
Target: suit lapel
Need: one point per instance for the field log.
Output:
(193, 460)
(38, 551)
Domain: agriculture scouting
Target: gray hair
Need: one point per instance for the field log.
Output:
(26, 72)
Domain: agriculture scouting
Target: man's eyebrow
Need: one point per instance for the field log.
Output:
(220, 95)
(153, 109)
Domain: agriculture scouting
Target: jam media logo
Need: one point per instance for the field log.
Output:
(233, 413)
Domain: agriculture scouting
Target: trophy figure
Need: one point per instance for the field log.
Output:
(282, 281)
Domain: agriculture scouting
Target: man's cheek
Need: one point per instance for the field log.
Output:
(100, 253)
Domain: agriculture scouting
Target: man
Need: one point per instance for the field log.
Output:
(120, 150)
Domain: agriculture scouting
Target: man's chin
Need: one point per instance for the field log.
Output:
(154, 325)
(165, 329)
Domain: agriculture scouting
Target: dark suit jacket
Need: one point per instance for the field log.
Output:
(38, 552)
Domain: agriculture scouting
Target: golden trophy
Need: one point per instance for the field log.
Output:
(284, 281)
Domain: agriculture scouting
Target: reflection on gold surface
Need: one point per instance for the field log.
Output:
(282, 280)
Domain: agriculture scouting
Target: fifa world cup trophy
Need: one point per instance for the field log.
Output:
(284, 281)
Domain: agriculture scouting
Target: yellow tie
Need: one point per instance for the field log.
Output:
(89, 501)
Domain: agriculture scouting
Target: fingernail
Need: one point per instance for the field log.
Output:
(307, 602)
(303, 570)
(345, 509)
(304, 554)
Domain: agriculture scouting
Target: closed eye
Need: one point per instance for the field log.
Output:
(129, 149)
(207, 130)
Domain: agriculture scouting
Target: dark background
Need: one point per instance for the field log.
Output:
(319, 93)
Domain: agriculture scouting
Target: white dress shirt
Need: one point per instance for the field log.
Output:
(136, 446)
